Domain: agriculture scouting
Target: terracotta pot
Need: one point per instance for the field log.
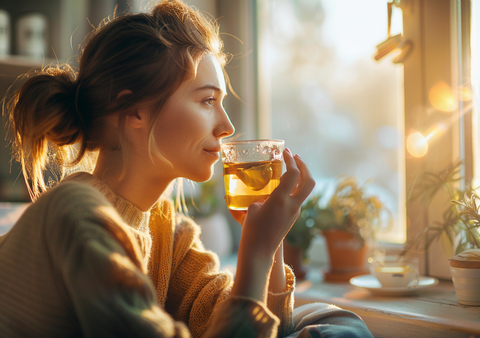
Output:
(346, 254)
(293, 256)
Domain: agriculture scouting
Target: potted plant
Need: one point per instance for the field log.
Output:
(357, 217)
(348, 222)
(460, 229)
(460, 223)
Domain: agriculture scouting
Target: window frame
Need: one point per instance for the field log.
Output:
(432, 26)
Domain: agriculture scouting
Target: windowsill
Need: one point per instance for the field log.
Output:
(433, 312)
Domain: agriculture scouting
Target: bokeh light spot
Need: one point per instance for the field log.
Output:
(442, 98)
(417, 145)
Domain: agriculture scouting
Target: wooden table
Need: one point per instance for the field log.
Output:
(433, 312)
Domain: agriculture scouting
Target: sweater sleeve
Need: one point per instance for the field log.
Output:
(199, 294)
(109, 293)
(281, 304)
(113, 298)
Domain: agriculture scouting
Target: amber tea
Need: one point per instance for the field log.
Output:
(246, 183)
(251, 171)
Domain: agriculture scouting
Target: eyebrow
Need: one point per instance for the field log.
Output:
(212, 87)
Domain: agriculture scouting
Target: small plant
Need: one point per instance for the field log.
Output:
(460, 226)
(357, 212)
(305, 227)
(349, 209)
(204, 201)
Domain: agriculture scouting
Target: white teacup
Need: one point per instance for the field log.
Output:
(394, 271)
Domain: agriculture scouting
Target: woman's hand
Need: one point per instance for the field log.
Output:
(266, 224)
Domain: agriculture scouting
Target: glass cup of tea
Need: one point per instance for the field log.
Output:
(395, 271)
(251, 170)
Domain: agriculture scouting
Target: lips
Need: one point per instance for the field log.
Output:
(213, 150)
(213, 154)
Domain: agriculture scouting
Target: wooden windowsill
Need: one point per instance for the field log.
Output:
(433, 312)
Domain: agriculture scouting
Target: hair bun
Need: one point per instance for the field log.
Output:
(53, 95)
(43, 111)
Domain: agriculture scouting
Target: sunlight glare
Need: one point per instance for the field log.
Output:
(417, 145)
(442, 98)
(465, 94)
(441, 127)
(343, 32)
(475, 184)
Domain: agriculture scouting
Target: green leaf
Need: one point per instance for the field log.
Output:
(447, 244)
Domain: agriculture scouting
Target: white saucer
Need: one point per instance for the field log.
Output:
(372, 284)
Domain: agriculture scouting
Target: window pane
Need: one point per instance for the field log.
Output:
(332, 102)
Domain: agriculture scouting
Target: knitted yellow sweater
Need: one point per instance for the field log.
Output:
(72, 267)
(187, 278)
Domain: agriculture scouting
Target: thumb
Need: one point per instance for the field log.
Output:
(255, 206)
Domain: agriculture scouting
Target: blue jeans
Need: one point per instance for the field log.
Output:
(327, 321)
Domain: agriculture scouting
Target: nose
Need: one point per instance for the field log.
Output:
(224, 127)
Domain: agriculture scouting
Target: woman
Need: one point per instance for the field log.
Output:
(148, 99)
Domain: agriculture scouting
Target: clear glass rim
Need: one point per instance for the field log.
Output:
(252, 141)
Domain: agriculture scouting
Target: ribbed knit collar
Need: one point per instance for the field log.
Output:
(131, 215)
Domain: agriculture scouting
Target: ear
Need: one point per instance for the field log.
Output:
(135, 118)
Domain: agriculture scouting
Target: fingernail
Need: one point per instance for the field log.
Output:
(298, 156)
(287, 149)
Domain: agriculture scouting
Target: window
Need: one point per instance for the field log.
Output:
(331, 101)
(435, 74)
(441, 33)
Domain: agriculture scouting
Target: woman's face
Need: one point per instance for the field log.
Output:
(192, 122)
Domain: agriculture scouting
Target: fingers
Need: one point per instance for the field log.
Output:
(255, 206)
(290, 177)
(239, 215)
(305, 183)
(297, 181)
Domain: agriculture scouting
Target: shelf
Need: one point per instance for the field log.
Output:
(24, 61)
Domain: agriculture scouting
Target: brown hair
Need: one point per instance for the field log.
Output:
(58, 110)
